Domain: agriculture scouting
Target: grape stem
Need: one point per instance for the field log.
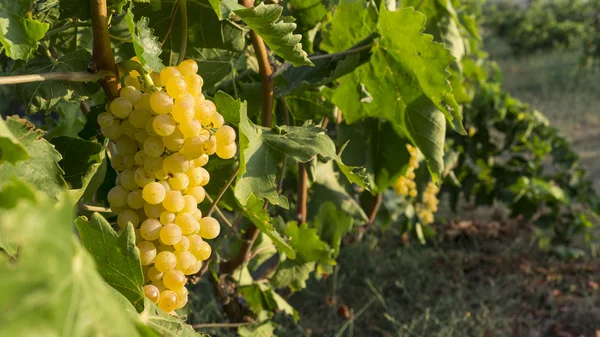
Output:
(302, 194)
(66, 26)
(129, 65)
(103, 58)
(184, 30)
(213, 206)
(372, 216)
(81, 76)
(223, 217)
(98, 209)
(218, 325)
(173, 13)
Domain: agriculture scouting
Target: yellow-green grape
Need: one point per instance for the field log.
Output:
(118, 162)
(152, 293)
(164, 125)
(197, 215)
(105, 119)
(183, 109)
(182, 295)
(153, 146)
(140, 135)
(154, 193)
(174, 142)
(139, 117)
(167, 218)
(197, 176)
(161, 175)
(226, 151)
(211, 106)
(142, 177)
(153, 211)
(197, 192)
(156, 79)
(161, 103)
(176, 87)
(139, 158)
(153, 164)
(199, 162)
(113, 131)
(143, 102)
(165, 261)
(217, 120)
(135, 199)
(173, 201)
(132, 81)
(150, 127)
(186, 222)
(185, 259)
(190, 128)
(203, 112)
(191, 205)
(154, 274)
(167, 73)
(130, 93)
(128, 180)
(117, 196)
(121, 107)
(210, 146)
(209, 228)
(165, 185)
(198, 99)
(138, 237)
(225, 135)
(168, 300)
(160, 285)
(194, 83)
(118, 181)
(200, 248)
(193, 269)
(128, 129)
(174, 279)
(165, 248)
(147, 252)
(176, 163)
(150, 229)
(193, 146)
(170, 234)
(179, 181)
(182, 245)
(127, 216)
(188, 67)
(129, 161)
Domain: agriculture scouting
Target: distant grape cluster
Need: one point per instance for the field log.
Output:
(405, 185)
(429, 204)
(162, 141)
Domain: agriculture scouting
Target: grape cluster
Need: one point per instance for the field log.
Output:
(405, 185)
(429, 204)
(162, 139)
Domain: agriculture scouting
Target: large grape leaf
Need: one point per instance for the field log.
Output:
(165, 324)
(352, 22)
(261, 219)
(291, 274)
(117, 257)
(308, 105)
(44, 96)
(332, 224)
(19, 33)
(261, 296)
(215, 65)
(308, 13)
(11, 150)
(41, 169)
(277, 33)
(230, 108)
(146, 45)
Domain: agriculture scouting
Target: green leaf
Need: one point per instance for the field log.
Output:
(307, 244)
(230, 108)
(77, 9)
(261, 296)
(80, 162)
(264, 327)
(11, 150)
(11, 192)
(71, 121)
(332, 224)
(44, 96)
(277, 33)
(19, 33)
(305, 105)
(291, 274)
(215, 65)
(165, 324)
(117, 257)
(260, 218)
(352, 22)
(42, 169)
(146, 45)
(308, 13)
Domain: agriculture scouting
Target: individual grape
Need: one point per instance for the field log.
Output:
(165, 261)
(105, 119)
(140, 156)
(113, 131)
(117, 196)
(167, 218)
(174, 279)
(192, 146)
(138, 237)
(225, 135)
(176, 163)
(168, 300)
(127, 179)
(176, 87)
(118, 162)
(211, 106)
(203, 112)
(131, 94)
(197, 215)
(200, 248)
(135, 199)
(170, 234)
(152, 293)
(197, 192)
(154, 193)
(226, 151)
(127, 216)
(210, 146)
(194, 83)
(121, 107)
(164, 125)
(153, 164)
(201, 161)
(153, 146)
(153, 211)
(174, 142)
(161, 103)
(188, 67)
(139, 117)
(194, 269)
(179, 181)
(150, 127)
(185, 259)
(150, 229)
(143, 102)
(140, 135)
(129, 161)
(161, 175)
(190, 128)
(165, 185)
(156, 79)
(196, 175)
(182, 295)
(182, 245)
(131, 81)
(142, 177)
(147, 252)
(216, 120)
(186, 222)
(160, 285)
(154, 274)
(173, 201)
(191, 205)
(167, 73)
(183, 109)
(128, 129)
(209, 228)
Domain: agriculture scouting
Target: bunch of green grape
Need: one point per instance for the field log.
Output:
(405, 185)
(162, 139)
(429, 204)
